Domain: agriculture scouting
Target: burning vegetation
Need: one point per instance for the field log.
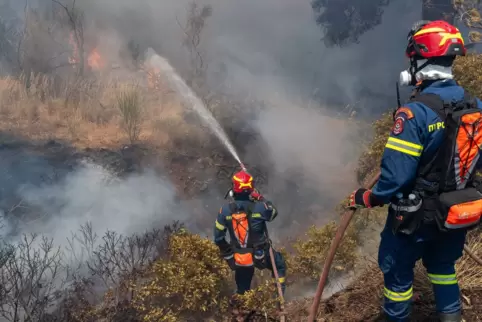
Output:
(170, 273)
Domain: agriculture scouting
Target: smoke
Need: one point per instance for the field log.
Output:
(93, 194)
(272, 52)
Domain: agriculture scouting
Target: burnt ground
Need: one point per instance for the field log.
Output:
(355, 305)
(24, 163)
(200, 174)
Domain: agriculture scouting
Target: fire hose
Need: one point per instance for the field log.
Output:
(348, 215)
(276, 276)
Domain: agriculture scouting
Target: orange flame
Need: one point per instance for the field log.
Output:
(95, 60)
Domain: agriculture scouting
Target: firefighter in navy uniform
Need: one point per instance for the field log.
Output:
(245, 219)
(417, 181)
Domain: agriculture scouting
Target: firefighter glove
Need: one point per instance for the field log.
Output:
(362, 198)
(256, 196)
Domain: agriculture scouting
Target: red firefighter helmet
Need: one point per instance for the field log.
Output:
(430, 39)
(242, 182)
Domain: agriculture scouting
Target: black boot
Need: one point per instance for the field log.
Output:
(450, 317)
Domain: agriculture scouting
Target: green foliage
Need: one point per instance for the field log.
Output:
(345, 21)
(310, 252)
(262, 299)
(192, 282)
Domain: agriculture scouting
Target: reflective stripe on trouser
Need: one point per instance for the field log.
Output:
(440, 279)
(397, 257)
(446, 291)
(397, 304)
(398, 296)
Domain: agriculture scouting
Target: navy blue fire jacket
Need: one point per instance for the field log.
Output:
(262, 212)
(415, 137)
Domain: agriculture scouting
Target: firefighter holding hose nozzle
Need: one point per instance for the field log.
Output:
(245, 217)
(427, 175)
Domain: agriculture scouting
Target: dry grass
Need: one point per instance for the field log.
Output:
(362, 300)
(467, 72)
(469, 272)
(86, 113)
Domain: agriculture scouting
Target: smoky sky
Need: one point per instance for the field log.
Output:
(273, 51)
(272, 44)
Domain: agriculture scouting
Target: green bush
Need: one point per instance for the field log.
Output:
(310, 252)
(191, 282)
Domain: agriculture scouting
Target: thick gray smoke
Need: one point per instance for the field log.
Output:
(271, 51)
(93, 194)
(273, 43)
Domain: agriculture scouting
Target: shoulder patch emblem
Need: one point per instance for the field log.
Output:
(398, 126)
(406, 111)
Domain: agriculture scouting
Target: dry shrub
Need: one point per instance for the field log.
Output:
(362, 300)
(129, 104)
(263, 299)
(468, 270)
(467, 71)
(87, 111)
(192, 282)
(310, 253)
(369, 161)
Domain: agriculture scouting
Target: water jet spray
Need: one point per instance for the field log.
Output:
(188, 94)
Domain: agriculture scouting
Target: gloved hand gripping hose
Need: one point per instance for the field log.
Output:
(331, 254)
(336, 242)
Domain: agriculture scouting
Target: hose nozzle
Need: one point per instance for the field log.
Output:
(243, 167)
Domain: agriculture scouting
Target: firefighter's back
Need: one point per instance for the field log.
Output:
(430, 125)
(260, 213)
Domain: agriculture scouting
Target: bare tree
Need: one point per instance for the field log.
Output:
(29, 279)
(193, 27)
(115, 261)
(118, 256)
(81, 245)
(75, 21)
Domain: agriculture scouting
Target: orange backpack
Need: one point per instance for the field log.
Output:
(240, 235)
(452, 169)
